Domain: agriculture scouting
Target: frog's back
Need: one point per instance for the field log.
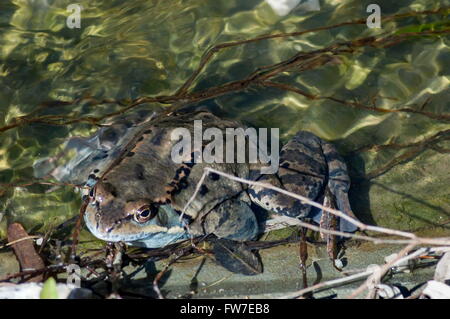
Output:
(148, 169)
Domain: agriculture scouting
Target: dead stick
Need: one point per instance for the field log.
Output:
(24, 250)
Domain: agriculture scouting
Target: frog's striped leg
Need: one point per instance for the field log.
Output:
(307, 166)
(329, 221)
(338, 184)
(302, 171)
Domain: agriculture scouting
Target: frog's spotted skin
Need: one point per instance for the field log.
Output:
(307, 165)
(137, 191)
(147, 175)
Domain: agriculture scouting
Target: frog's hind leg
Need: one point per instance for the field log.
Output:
(338, 185)
(302, 171)
(308, 166)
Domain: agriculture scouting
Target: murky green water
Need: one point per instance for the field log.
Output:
(126, 49)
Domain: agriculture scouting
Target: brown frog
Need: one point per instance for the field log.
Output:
(137, 192)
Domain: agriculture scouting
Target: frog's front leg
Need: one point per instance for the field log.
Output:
(231, 219)
(232, 222)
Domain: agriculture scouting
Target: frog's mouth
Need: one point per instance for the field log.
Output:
(161, 231)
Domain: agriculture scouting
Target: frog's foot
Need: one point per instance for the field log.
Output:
(338, 185)
(307, 166)
(329, 221)
(236, 257)
(232, 219)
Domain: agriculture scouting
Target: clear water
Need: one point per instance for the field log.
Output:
(127, 49)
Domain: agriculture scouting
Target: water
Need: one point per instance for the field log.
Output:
(127, 49)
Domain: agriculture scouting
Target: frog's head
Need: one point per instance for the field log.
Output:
(140, 222)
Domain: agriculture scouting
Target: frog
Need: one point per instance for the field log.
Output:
(137, 194)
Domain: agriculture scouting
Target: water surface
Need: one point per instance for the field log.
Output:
(127, 49)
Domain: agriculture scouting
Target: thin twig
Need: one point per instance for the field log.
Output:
(371, 271)
(287, 87)
(327, 284)
(215, 49)
(182, 93)
(19, 240)
(370, 282)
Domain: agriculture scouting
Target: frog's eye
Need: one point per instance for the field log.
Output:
(145, 213)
